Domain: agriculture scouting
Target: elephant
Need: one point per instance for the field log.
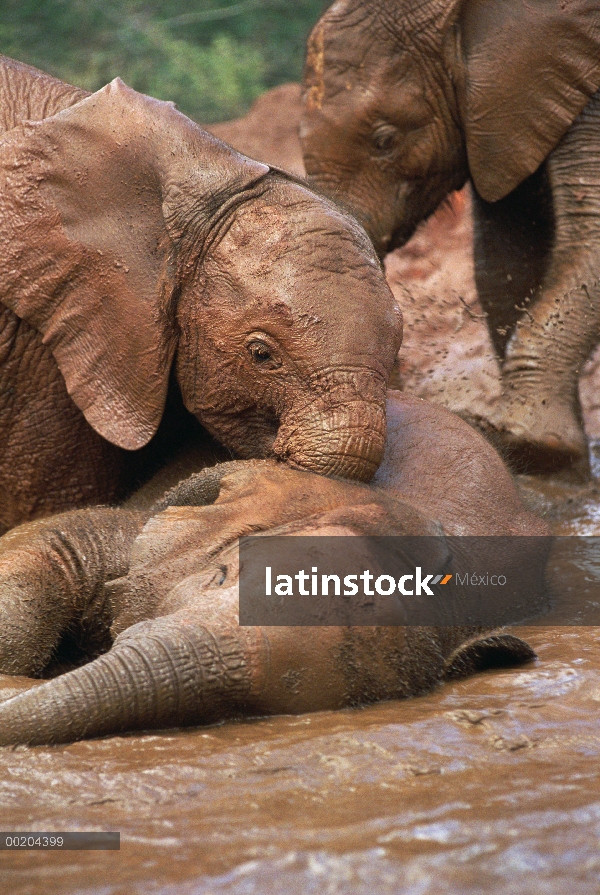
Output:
(151, 273)
(153, 593)
(405, 101)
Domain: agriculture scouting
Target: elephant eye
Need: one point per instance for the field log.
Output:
(262, 354)
(384, 138)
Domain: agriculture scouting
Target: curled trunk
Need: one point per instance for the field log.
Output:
(335, 436)
(172, 672)
(163, 673)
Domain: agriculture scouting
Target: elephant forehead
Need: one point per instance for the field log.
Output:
(291, 217)
(177, 536)
(174, 545)
(250, 499)
(260, 224)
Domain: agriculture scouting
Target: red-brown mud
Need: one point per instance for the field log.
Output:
(486, 785)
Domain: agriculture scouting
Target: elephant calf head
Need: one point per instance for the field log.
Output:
(180, 656)
(404, 100)
(136, 243)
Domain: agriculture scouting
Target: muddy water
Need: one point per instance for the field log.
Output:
(486, 785)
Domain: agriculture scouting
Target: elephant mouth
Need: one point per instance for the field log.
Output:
(338, 430)
(248, 434)
(261, 429)
(398, 238)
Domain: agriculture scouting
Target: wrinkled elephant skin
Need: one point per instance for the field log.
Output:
(146, 263)
(179, 656)
(406, 100)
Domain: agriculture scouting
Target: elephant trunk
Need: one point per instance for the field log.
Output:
(336, 437)
(168, 672)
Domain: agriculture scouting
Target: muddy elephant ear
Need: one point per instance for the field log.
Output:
(92, 203)
(531, 67)
(482, 653)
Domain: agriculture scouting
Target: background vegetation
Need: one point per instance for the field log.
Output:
(212, 57)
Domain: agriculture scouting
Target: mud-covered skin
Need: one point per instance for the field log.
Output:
(488, 784)
(179, 656)
(70, 572)
(405, 101)
(27, 94)
(142, 253)
(34, 478)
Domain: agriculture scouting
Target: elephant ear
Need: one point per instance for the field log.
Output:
(92, 203)
(531, 67)
(482, 653)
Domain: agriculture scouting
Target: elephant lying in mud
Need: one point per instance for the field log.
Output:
(179, 656)
(142, 256)
(405, 100)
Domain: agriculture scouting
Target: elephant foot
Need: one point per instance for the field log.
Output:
(536, 437)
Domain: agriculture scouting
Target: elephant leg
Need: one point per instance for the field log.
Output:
(52, 575)
(540, 416)
(513, 239)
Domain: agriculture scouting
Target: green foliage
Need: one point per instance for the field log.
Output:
(212, 57)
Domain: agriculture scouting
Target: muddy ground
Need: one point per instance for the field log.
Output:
(485, 785)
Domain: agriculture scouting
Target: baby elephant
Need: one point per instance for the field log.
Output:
(179, 655)
(406, 99)
(138, 253)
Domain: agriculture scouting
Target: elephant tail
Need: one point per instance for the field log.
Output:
(169, 672)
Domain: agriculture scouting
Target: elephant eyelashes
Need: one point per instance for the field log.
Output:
(384, 138)
(262, 355)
